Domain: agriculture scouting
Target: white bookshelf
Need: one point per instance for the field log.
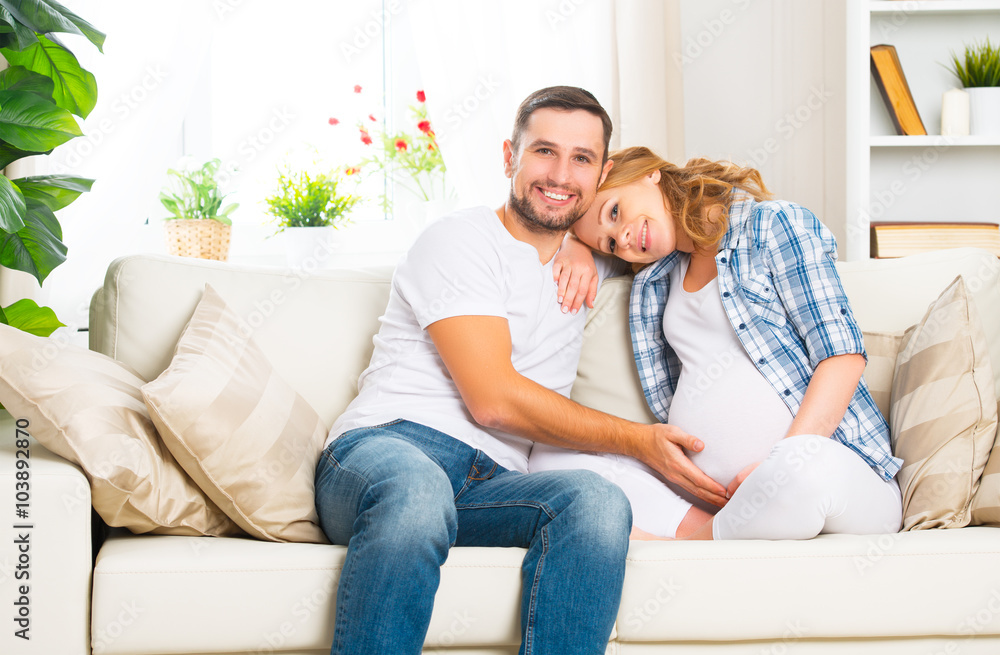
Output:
(914, 178)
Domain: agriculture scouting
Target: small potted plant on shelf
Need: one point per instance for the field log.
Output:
(978, 69)
(198, 225)
(310, 208)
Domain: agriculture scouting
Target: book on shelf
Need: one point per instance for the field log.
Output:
(895, 91)
(902, 239)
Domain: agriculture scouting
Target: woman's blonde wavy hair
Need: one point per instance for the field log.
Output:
(692, 190)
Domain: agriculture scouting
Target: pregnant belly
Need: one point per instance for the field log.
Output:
(738, 423)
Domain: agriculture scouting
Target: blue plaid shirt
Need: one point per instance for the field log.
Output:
(782, 294)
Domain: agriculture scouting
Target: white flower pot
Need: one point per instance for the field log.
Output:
(984, 110)
(311, 248)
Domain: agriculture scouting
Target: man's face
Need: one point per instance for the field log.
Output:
(557, 169)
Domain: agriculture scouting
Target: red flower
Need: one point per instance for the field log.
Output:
(401, 144)
(357, 88)
(372, 118)
(333, 121)
(365, 138)
(430, 146)
(352, 170)
(424, 126)
(421, 97)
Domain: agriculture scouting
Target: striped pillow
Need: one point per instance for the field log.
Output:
(943, 415)
(881, 348)
(86, 408)
(239, 430)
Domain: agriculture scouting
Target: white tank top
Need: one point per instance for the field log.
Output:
(721, 397)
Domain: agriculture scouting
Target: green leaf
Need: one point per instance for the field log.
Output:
(26, 315)
(19, 78)
(9, 153)
(12, 207)
(75, 88)
(53, 191)
(45, 16)
(37, 248)
(3, 317)
(28, 122)
(21, 36)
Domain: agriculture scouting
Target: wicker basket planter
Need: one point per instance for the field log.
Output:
(200, 238)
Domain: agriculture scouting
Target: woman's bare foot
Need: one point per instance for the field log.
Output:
(692, 522)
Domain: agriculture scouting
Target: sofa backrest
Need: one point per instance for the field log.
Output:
(317, 328)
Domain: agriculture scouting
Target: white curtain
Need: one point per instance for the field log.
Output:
(479, 60)
(146, 76)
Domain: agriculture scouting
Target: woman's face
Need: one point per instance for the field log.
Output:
(632, 222)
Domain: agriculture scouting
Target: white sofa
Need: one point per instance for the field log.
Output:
(928, 592)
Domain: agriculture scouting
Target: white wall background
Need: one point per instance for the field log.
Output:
(764, 85)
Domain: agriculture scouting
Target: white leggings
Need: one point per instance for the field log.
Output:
(807, 485)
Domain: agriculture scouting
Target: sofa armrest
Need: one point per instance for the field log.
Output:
(47, 553)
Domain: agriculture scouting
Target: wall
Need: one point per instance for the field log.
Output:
(764, 85)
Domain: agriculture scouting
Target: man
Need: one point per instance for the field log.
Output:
(474, 361)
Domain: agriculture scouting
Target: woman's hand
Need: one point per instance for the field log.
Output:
(740, 477)
(575, 273)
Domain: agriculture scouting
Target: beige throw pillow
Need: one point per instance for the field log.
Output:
(943, 413)
(86, 408)
(986, 502)
(881, 348)
(239, 430)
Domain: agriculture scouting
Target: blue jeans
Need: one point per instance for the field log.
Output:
(400, 495)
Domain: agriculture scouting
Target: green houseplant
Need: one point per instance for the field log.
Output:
(978, 69)
(309, 208)
(198, 225)
(42, 89)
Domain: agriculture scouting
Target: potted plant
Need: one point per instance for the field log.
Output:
(198, 225)
(979, 72)
(42, 89)
(309, 208)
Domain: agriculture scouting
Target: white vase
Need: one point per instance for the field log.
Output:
(311, 248)
(984, 110)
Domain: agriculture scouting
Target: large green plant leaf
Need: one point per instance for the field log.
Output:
(12, 206)
(37, 248)
(53, 191)
(28, 122)
(9, 153)
(19, 78)
(25, 314)
(15, 34)
(75, 88)
(45, 16)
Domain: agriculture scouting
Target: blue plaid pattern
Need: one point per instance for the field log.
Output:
(782, 294)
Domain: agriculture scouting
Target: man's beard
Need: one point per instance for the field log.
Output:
(536, 221)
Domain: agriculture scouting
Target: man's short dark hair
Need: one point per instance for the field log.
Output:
(560, 97)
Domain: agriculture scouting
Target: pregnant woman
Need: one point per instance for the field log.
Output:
(745, 339)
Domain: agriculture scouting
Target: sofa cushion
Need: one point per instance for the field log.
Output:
(280, 598)
(87, 408)
(944, 414)
(241, 432)
(881, 348)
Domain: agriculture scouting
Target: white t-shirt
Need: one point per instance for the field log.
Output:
(721, 397)
(465, 264)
